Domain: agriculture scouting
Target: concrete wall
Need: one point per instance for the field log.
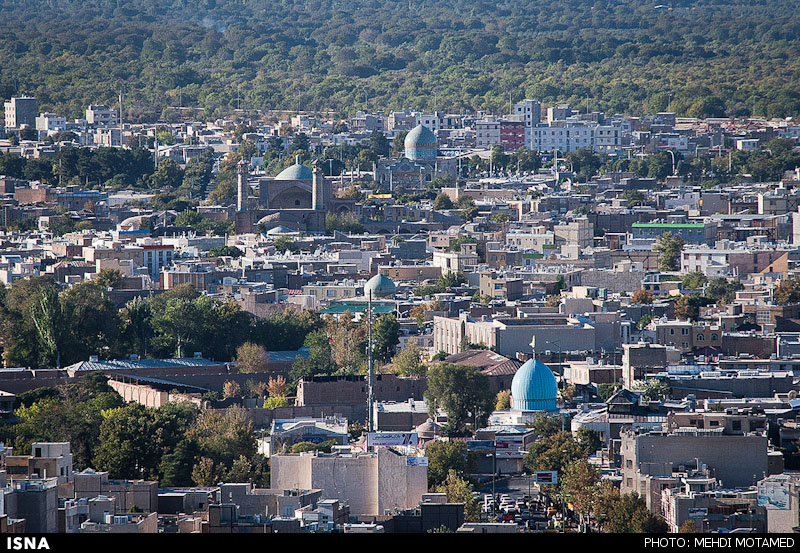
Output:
(369, 483)
(745, 468)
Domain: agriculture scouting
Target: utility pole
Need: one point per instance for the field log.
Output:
(370, 375)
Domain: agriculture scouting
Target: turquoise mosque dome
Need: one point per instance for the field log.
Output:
(534, 388)
(298, 171)
(421, 144)
(381, 286)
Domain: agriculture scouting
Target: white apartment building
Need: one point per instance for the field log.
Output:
(487, 134)
(564, 137)
(101, 116)
(527, 241)
(607, 137)
(430, 120)
(50, 122)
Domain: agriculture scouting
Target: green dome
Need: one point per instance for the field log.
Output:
(298, 171)
(381, 286)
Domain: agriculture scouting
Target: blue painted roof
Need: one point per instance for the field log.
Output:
(534, 388)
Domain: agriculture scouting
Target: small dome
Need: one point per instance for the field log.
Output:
(421, 143)
(428, 430)
(280, 229)
(534, 388)
(381, 286)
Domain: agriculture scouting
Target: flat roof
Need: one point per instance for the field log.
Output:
(668, 225)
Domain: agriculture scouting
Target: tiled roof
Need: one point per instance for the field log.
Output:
(489, 362)
(113, 364)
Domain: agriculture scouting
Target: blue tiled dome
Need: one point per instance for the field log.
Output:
(298, 171)
(421, 143)
(381, 286)
(534, 388)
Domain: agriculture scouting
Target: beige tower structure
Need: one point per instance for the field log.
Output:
(318, 188)
(242, 190)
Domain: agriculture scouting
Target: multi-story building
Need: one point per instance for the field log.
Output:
(157, 257)
(559, 112)
(50, 122)
(199, 275)
(498, 287)
(36, 501)
(712, 509)
(729, 259)
(507, 336)
(487, 133)
(692, 446)
(512, 135)
(371, 483)
(691, 233)
(47, 460)
(530, 113)
(19, 111)
(101, 116)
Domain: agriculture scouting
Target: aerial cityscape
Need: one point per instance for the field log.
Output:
(388, 267)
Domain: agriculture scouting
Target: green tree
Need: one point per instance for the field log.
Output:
(655, 389)
(273, 402)
(231, 251)
(669, 247)
(409, 361)
(444, 457)
(168, 175)
(554, 453)
(503, 401)
(461, 391)
(631, 515)
(71, 413)
(685, 309)
(579, 486)
(459, 490)
(251, 358)
(385, 337)
(694, 280)
(546, 425)
(720, 290)
(134, 439)
(319, 361)
(442, 201)
(788, 291)
(223, 436)
(345, 222)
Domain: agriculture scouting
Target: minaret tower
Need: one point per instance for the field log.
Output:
(318, 188)
(241, 186)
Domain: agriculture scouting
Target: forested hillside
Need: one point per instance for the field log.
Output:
(703, 57)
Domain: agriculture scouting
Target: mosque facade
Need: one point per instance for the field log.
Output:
(420, 164)
(298, 198)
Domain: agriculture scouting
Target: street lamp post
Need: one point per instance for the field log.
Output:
(557, 343)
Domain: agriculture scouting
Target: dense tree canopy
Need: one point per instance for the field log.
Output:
(41, 326)
(697, 57)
